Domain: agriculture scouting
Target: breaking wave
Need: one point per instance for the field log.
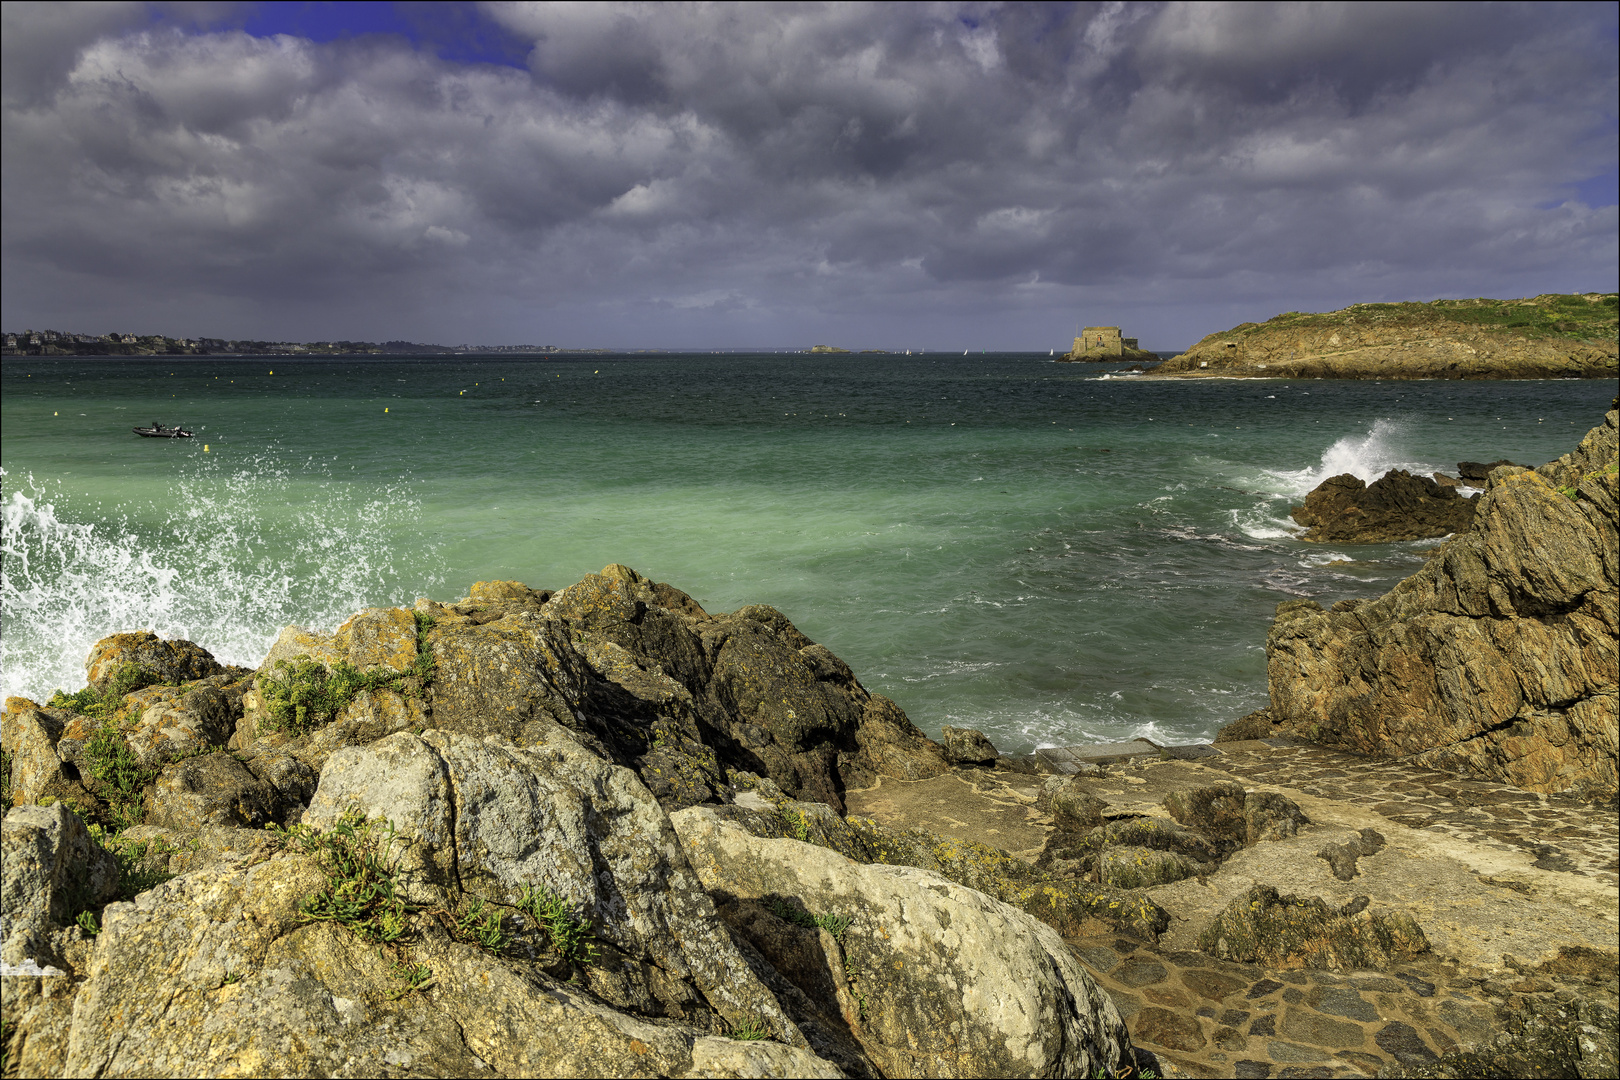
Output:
(226, 560)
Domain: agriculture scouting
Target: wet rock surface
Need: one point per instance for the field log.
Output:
(1397, 506)
(1497, 659)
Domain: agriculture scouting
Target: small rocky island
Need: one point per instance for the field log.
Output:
(604, 832)
(1545, 337)
(1104, 343)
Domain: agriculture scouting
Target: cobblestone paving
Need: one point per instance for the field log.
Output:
(1204, 1017)
(1563, 834)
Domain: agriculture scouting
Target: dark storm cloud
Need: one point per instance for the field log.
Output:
(903, 175)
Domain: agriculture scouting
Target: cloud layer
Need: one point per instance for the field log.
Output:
(894, 175)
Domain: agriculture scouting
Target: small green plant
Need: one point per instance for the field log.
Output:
(487, 931)
(833, 924)
(232, 977)
(103, 704)
(362, 890)
(87, 923)
(302, 694)
(852, 975)
(122, 775)
(796, 823)
(750, 1031)
(5, 779)
(570, 935)
(413, 975)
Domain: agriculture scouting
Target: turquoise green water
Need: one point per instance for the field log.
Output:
(1052, 553)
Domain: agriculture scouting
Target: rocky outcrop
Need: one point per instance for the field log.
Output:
(1547, 337)
(440, 841)
(1397, 506)
(939, 979)
(1287, 932)
(1498, 658)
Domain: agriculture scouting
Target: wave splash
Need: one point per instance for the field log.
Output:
(226, 560)
(1367, 457)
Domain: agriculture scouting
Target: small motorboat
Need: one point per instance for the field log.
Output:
(158, 431)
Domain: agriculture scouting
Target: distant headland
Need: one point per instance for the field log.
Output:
(1551, 336)
(69, 343)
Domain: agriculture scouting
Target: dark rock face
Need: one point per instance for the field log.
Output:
(1293, 932)
(1475, 472)
(1497, 658)
(1398, 506)
(967, 746)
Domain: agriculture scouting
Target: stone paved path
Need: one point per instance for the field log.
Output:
(1488, 868)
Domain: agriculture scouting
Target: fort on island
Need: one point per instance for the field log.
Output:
(1105, 343)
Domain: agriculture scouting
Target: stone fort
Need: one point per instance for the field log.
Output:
(1100, 343)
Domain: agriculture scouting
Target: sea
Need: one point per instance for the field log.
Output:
(1055, 554)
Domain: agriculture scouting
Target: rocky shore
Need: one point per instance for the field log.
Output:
(1545, 337)
(603, 831)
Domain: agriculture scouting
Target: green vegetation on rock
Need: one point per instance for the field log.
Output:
(303, 694)
(1575, 316)
(570, 935)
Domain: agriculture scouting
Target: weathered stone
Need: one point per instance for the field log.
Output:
(490, 817)
(1142, 868)
(1397, 506)
(1214, 987)
(1270, 816)
(51, 870)
(38, 773)
(1340, 1001)
(1217, 810)
(214, 790)
(172, 661)
(1497, 658)
(1141, 973)
(914, 939)
(1285, 932)
(256, 990)
(1343, 856)
(1073, 808)
(1312, 1027)
(170, 721)
(1403, 1043)
(378, 637)
(1171, 1030)
(890, 745)
(967, 746)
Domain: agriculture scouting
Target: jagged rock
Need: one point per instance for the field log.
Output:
(1497, 658)
(967, 746)
(1126, 867)
(890, 745)
(38, 773)
(51, 870)
(1218, 810)
(212, 790)
(169, 721)
(1270, 816)
(172, 661)
(914, 942)
(1284, 932)
(1397, 506)
(253, 987)
(490, 817)
(1073, 808)
(1475, 472)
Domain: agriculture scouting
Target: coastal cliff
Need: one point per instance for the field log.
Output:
(1497, 659)
(1546, 337)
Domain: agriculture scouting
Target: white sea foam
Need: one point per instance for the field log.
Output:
(216, 569)
(1367, 456)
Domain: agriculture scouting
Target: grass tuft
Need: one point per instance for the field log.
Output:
(570, 934)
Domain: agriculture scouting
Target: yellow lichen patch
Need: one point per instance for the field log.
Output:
(378, 637)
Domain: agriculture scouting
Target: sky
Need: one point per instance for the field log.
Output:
(779, 175)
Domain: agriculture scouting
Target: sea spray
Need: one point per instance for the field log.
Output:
(229, 559)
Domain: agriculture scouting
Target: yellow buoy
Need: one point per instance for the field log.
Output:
(272, 373)
(205, 448)
(385, 409)
(56, 414)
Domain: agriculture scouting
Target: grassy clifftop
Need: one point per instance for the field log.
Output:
(1549, 336)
